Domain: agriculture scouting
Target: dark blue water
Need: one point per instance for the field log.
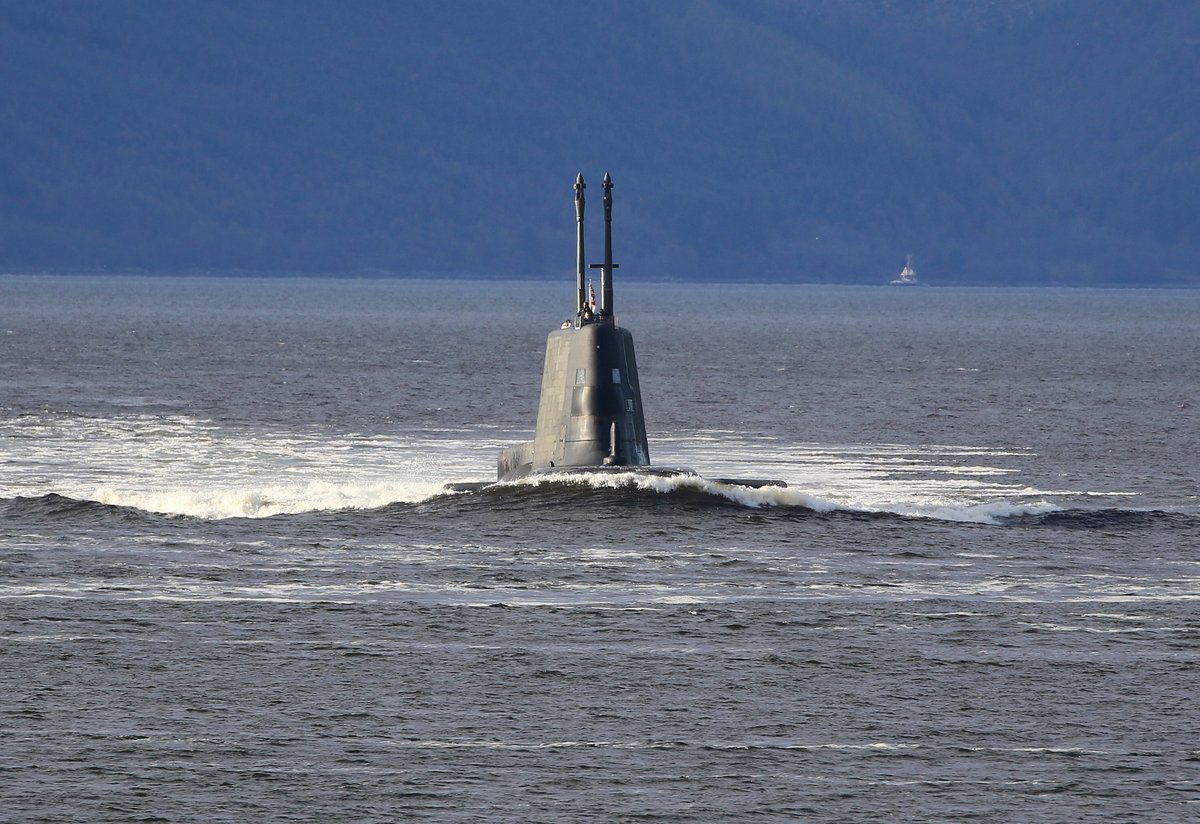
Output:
(231, 588)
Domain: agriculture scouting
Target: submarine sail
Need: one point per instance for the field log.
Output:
(590, 409)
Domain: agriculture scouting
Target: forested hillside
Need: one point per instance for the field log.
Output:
(1031, 141)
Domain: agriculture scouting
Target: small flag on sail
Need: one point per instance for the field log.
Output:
(592, 298)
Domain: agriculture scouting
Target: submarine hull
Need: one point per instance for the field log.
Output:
(567, 472)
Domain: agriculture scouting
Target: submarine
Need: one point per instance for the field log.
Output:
(590, 417)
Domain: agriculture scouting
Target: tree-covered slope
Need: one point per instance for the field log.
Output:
(1035, 141)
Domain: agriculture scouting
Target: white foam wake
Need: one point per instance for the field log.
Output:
(185, 466)
(746, 496)
(992, 512)
(178, 465)
(218, 502)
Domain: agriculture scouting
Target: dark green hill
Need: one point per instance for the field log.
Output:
(1019, 142)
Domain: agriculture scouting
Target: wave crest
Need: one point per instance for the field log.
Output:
(539, 495)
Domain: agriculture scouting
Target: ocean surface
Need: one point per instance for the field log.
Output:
(232, 588)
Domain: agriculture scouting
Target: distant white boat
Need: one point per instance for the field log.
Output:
(908, 275)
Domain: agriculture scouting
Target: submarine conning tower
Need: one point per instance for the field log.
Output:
(590, 410)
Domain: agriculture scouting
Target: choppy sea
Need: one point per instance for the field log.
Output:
(232, 588)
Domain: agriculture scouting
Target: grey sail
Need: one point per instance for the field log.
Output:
(590, 411)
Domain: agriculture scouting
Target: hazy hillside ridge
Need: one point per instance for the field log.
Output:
(1022, 142)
